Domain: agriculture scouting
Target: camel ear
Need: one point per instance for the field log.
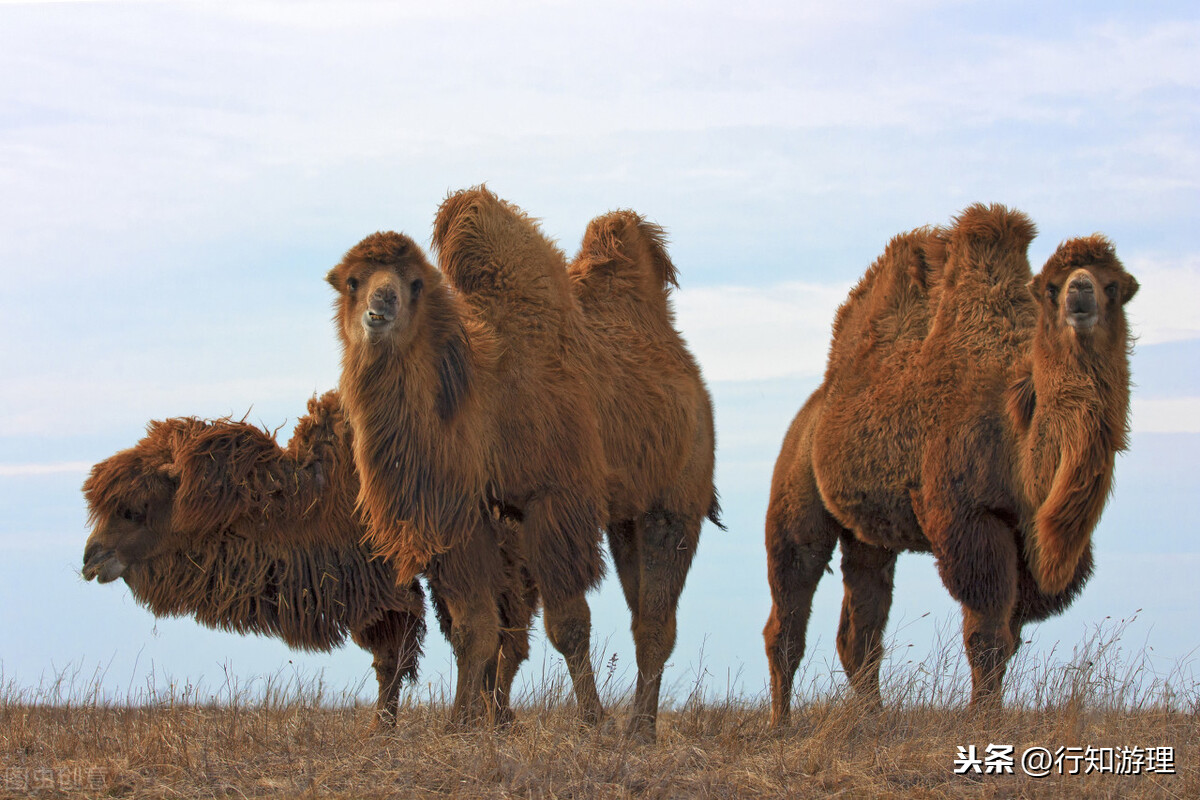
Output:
(172, 470)
(1035, 287)
(454, 372)
(334, 280)
(1129, 287)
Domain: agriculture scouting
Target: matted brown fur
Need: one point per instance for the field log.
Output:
(461, 401)
(216, 521)
(588, 405)
(961, 413)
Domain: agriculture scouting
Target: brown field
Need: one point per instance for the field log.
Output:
(291, 739)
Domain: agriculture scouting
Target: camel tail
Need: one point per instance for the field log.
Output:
(714, 512)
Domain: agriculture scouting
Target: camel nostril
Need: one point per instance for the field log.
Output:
(1082, 285)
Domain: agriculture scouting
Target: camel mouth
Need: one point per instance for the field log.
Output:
(103, 566)
(374, 320)
(1082, 321)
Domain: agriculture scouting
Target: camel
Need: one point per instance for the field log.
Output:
(213, 519)
(561, 378)
(461, 402)
(656, 423)
(967, 411)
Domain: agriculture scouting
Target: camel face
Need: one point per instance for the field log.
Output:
(380, 285)
(128, 505)
(1082, 291)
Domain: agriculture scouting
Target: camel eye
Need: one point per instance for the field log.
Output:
(352, 284)
(1052, 292)
(417, 286)
(1111, 291)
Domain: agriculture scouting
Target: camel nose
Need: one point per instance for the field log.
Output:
(1081, 302)
(381, 309)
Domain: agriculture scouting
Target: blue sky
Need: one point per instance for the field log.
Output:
(176, 179)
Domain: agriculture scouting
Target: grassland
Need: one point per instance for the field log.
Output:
(292, 739)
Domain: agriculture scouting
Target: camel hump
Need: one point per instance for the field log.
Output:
(325, 407)
(990, 239)
(627, 249)
(490, 247)
(891, 301)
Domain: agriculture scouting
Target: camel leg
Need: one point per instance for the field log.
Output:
(561, 551)
(569, 629)
(797, 556)
(464, 579)
(666, 545)
(868, 573)
(977, 560)
(395, 646)
(517, 608)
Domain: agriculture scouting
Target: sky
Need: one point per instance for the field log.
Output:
(176, 179)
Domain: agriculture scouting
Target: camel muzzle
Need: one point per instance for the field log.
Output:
(380, 313)
(1082, 311)
(102, 564)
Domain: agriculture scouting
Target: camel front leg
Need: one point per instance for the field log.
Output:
(977, 559)
(517, 607)
(569, 629)
(798, 554)
(395, 646)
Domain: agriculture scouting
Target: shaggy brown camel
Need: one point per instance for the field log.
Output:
(215, 520)
(590, 371)
(657, 426)
(461, 399)
(968, 411)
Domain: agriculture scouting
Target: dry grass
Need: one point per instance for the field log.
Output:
(287, 738)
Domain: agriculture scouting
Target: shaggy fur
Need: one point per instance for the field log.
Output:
(461, 400)
(968, 411)
(656, 421)
(589, 407)
(215, 520)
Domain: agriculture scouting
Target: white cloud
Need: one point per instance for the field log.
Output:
(1166, 414)
(1165, 308)
(738, 333)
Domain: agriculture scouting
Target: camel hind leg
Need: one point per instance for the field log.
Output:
(799, 547)
(395, 646)
(868, 575)
(653, 557)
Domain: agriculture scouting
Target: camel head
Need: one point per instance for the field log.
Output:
(381, 284)
(130, 498)
(1081, 293)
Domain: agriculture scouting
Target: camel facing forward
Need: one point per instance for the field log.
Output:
(966, 410)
